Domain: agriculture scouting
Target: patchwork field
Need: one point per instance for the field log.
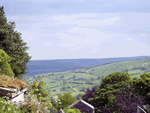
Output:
(77, 81)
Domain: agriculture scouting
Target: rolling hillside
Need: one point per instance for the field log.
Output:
(76, 81)
(45, 66)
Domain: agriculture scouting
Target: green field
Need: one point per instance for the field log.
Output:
(135, 68)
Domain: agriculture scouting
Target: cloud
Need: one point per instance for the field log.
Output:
(65, 44)
(125, 0)
(77, 38)
(84, 19)
(47, 44)
(129, 39)
(80, 0)
(91, 40)
(107, 5)
(143, 35)
(95, 51)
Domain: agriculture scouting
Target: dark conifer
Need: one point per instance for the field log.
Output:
(13, 45)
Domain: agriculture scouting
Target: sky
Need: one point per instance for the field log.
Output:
(77, 29)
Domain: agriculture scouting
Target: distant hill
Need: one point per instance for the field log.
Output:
(46, 66)
(78, 80)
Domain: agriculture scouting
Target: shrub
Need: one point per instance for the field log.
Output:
(73, 111)
(5, 67)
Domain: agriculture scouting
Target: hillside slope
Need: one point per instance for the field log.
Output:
(45, 66)
(80, 79)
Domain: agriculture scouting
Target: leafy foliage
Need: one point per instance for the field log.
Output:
(13, 45)
(65, 100)
(142, 86)
(38, 89)
(35, 84)
(110, 85)
(4, 65)
(126, 102)
(89, 94)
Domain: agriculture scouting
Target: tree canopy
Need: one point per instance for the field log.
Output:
(110, 85)
(142, 86)
(65, 100)
(13, 45)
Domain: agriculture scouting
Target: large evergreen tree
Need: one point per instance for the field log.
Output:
(13, 45)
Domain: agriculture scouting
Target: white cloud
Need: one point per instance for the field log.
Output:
(125, 0)
(88, 19)
(91, 40)
(83, 37)
(80, 0)
(31, 38)
(111, 20)
(47, 44)
(107, 5)
(65, 44)
(143, 35)
(129, 39)
(95, 51)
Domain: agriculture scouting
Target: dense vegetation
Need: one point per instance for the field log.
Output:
(13, 45)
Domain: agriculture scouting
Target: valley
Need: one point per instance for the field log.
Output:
(78, 80)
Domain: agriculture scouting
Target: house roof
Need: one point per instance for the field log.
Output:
(82, 102)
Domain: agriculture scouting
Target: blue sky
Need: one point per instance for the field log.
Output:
(73, 29)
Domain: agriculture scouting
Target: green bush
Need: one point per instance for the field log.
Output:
(4, 65)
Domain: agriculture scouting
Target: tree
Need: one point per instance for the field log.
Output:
(74, 76)
(4, 65)
(83, 88)
(79, 96)
(82, 67)
(126, 102)
(65, 100)
(142, 86)
(92, 79)
(99, 77)
(62, 77)
(13, 45)
(88, 81)
(89, 94)
(63, 88)
(110, 85)
(64, 81)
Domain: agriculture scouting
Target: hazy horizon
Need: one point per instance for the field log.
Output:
(80, 29)
(93, 58)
